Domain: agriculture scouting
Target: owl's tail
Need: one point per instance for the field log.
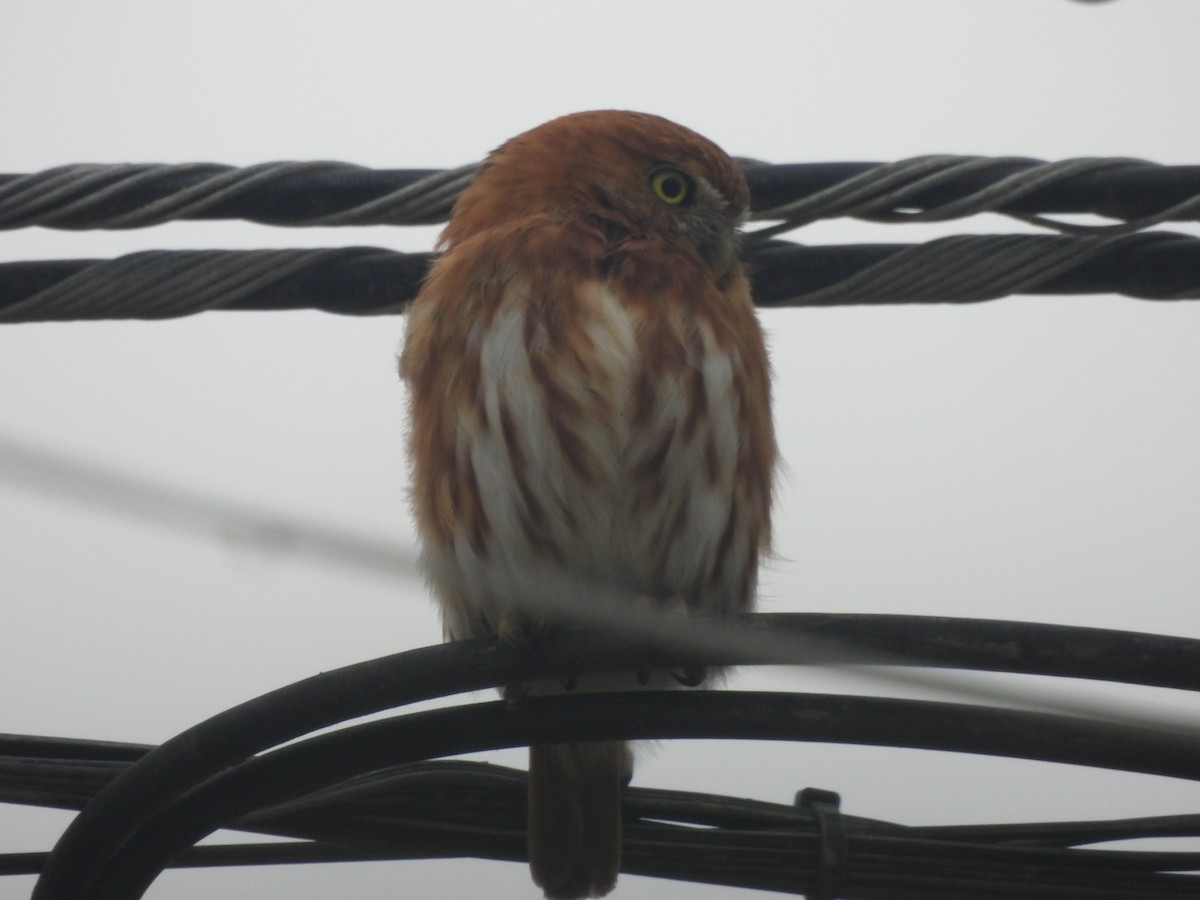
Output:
(575, 817)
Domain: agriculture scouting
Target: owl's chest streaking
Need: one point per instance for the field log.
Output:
(579, 429)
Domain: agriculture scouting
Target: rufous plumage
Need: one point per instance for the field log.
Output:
(590, 405)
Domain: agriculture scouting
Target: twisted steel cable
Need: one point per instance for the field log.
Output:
(370, 281)
(86, 196)
(1118, 258)
(924, 188)
(941, 187)
(894, 193)
(966, 269)
(159, 284)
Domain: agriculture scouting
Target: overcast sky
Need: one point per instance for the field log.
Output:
(1028, 459)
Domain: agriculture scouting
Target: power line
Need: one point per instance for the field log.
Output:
(370, 281)
(934, 187)
(1118, 258)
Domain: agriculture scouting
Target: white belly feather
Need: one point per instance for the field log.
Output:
(551, 531)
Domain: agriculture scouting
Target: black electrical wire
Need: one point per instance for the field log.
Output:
(457, 808)
(164, 797)
(328, 759)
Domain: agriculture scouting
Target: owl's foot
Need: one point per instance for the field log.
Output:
(516, 631)
(689, 676)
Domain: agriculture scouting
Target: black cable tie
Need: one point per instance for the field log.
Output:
(835, 848)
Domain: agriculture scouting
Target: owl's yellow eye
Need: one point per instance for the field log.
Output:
(672, 186)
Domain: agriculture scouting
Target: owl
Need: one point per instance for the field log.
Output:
(590, 412)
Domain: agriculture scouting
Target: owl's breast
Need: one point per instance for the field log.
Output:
(598, 443)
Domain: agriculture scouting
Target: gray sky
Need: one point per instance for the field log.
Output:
(1029, 459)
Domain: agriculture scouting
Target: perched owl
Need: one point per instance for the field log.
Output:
(590, 405)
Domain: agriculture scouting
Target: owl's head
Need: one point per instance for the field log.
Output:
(628, 174)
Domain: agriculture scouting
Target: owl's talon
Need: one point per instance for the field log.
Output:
(570, 683)
(643, 676)
(689, 676)
(514, 630)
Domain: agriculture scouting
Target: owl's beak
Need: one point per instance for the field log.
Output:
(720, 253)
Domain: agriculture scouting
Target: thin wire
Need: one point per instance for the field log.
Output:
(607, 607)
(35, 468)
